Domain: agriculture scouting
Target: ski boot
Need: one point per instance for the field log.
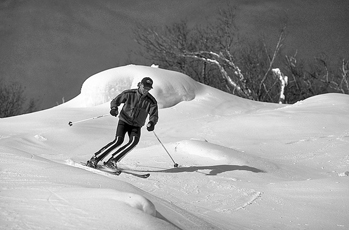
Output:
(92, 162)
(111, 165)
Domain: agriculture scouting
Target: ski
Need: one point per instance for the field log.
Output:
(117, 172)
(127, 171)
(146, 175)
(108, 170)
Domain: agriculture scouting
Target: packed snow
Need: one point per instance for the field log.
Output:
(242, 164)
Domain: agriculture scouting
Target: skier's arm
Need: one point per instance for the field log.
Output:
(121, 98)
(154, 114)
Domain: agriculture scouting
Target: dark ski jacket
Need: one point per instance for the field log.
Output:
(136, 107)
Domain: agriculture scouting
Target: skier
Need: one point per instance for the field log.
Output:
(138, 104)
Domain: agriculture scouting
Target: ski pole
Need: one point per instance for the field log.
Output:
(70, 123)
(175, 164)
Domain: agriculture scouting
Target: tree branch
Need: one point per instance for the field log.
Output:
(200, 55)
(276, 51)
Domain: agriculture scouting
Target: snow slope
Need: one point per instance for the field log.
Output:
(243, 164)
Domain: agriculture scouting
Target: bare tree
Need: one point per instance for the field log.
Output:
(209, 51)
(317, 77)
(331, 80)
(343, 84)
(13, 101)
(214, 54)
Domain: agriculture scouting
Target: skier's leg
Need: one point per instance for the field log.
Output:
(134, 137)
(105, 147)
(118, 151)
(121, 153)
(103, 152)
(110, 147)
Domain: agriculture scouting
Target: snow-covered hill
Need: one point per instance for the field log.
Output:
(243, 164)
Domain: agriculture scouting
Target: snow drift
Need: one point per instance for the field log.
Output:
(170, 87)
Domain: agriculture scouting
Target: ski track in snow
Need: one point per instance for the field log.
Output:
(164, 186)
(200, 192)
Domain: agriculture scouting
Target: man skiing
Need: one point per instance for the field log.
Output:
(138, 104)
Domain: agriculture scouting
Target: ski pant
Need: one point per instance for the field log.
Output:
(134, 134)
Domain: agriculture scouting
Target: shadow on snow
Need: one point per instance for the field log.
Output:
(215, 169)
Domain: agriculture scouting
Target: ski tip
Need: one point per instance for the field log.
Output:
(146, 175)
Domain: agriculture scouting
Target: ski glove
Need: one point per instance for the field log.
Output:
(150, 126)
(114, 111)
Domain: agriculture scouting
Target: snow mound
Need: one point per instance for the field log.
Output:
(328, 103)
(223, 155)
(208, 150)
(169, 89)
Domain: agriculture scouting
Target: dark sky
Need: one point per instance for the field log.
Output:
(52, 46)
